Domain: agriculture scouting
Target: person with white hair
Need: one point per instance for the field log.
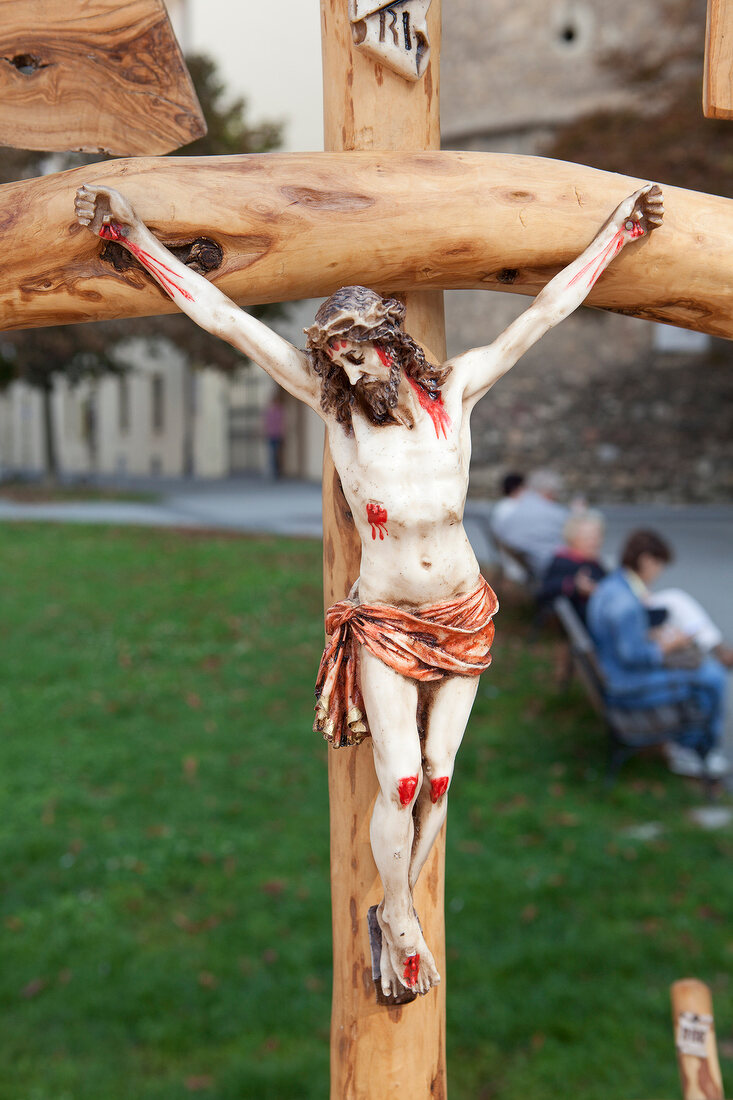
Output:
(576, 568)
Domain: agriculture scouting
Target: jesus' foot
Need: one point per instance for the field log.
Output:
(406, 961)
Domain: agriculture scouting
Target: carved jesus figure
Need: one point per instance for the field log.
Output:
(407, 647)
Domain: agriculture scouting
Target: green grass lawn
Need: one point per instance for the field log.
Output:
(165, 847)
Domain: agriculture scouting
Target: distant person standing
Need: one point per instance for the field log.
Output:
(534, 526)
(274, 426)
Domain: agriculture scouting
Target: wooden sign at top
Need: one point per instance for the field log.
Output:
(717, 89)
(105, 76)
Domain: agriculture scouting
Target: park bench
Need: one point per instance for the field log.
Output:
(629, 731)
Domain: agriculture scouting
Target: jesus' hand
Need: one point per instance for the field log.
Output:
(641, 213)
(97, 207)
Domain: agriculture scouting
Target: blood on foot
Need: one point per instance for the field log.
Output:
(406, 789)
(377, 516)
(438, 787)
(412, 969)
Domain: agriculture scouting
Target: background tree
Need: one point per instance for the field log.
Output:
(39, 356)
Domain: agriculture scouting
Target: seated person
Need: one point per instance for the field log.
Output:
(534, 525)
(633, 661)
(512, 487)
(576, 568)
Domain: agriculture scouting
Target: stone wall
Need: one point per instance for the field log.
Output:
(595, 398)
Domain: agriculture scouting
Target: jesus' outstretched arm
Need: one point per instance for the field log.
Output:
(108, 214)
(477, 370)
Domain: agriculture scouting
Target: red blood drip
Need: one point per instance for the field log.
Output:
(406, 789)
(438, 787)
(377, 516)
(599, 263)
(113, 232)
(434, 407)
(385, 357)
(412, 969)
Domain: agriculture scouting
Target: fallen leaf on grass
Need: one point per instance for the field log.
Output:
(199, 1084)
(190, 768)
(33, 988)
(195, 927)
(274, 888)
(207, 980)
(211, 663)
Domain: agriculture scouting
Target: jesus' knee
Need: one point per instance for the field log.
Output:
(407, 787)
(439, 777)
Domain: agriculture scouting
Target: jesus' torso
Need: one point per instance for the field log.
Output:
(406, 488)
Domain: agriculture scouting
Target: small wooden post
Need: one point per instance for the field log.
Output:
(376, 1052)
(694, 1031)
(717, 87)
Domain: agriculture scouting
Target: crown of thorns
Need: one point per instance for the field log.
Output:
(355, 313)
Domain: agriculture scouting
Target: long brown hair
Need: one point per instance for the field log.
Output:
(361, 315)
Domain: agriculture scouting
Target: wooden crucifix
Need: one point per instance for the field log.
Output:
(397, 419)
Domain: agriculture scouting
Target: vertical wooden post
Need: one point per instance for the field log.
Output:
(376, 1051)
(717, 85)
(694, 1030)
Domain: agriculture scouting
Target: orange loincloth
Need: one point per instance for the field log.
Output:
(453, 637)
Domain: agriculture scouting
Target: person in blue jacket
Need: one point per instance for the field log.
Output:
(638, 664)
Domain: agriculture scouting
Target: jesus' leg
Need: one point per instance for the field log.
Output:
(391, 706)
(449, 706)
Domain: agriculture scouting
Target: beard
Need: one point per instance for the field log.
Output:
(377, 399)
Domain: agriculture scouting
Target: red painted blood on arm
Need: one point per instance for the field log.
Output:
(599, 263)
(113, 232)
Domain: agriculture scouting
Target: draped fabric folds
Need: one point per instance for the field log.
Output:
(449, 638)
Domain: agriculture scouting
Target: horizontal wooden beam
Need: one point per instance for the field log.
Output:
(300, 225)
(102, 76)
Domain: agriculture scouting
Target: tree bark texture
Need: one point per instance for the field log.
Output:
(295, 225)
(717, 88)
(106, 76)
(376, 1051)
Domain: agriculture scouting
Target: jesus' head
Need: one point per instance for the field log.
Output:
(359, 348)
